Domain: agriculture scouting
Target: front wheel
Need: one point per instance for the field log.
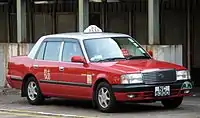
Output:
(105, 98)
(34, 95)
(172, 103)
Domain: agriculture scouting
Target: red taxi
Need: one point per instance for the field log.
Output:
(106, 68)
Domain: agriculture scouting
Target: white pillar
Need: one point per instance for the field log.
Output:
(83, 14)
(153, 22)
(21, 20)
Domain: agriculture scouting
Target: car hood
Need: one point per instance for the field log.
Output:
(130, 66)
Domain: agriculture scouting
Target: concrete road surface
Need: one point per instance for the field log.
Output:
(13, 106)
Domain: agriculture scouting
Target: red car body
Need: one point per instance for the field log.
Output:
(19, 67)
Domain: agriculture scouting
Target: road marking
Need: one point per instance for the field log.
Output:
(40, 114)
(23, 114)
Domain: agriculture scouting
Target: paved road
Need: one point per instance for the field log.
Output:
(13, 106)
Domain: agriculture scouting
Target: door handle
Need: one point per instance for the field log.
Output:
(61, 68)
(35, 66)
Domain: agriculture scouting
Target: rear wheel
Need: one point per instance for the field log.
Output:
(105, 98)
(172, 103)
(34, 95)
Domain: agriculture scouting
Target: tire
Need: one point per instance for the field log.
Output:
(111, 101)
(33, 99)
(172, 103)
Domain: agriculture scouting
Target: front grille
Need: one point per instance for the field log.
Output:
(160, 76)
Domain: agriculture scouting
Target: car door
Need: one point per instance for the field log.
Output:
(46, 67)
(74, 74)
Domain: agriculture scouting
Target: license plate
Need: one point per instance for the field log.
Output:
(162, 91)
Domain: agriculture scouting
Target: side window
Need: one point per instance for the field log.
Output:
(40, 54)
(71, 48)
(52, 51)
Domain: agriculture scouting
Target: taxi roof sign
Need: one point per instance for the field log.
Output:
(92, 28)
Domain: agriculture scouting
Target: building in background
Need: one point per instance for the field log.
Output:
(152, 22)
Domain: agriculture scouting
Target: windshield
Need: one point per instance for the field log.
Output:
(111, 49)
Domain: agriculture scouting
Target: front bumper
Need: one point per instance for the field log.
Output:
(142, 92)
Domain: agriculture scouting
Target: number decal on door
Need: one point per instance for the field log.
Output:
(47, 75)
(89, 79)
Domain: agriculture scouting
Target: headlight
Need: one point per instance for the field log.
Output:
(131, 78)
(183, 75)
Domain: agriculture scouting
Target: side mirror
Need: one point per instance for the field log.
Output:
(150, 53)
(78, 59)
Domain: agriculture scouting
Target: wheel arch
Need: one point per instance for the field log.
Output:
(25, 79)
(97, 82)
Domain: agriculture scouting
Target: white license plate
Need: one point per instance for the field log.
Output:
(162, 91)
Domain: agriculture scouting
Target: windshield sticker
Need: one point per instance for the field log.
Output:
(131, 40)
(136, 44)
(96, 58)
(141, 50)
(124, 52)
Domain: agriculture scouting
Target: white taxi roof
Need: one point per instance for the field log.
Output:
(82, 35)
(91, 32)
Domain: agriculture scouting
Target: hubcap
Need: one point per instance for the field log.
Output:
(104, 97)
(32, 90)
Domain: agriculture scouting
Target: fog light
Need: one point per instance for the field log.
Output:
(187, 91)
(131, 96)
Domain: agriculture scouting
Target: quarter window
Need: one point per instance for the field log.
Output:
(52, 51)
(41, 51)
(70, 49)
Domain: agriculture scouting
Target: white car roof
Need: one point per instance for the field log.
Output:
(77, 35)
(82, 36)
(91, 32)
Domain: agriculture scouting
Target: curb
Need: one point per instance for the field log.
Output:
(9, 91)
(43, 113)
(196, 92)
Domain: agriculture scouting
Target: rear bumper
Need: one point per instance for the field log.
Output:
(14, 81)
(146, 92)
(8, 78)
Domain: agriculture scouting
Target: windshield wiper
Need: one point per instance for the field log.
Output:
(138, 57)
(112, 59)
